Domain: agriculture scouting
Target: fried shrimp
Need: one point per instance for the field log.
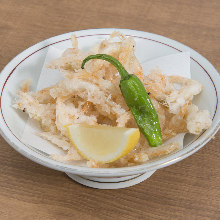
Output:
(92, 96)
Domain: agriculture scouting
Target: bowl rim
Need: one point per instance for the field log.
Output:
(38, 157)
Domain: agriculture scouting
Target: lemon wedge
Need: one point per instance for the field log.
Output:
(103, 144)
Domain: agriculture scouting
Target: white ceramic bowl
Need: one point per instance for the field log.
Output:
(28, 64)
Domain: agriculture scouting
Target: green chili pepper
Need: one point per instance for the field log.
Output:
(137, 100)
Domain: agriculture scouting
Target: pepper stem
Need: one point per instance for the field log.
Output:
(122, 71)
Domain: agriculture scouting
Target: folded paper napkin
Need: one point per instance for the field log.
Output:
(174, 64)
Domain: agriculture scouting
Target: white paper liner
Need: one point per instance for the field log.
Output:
(174, 64)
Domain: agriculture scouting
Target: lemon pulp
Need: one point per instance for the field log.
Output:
(103, 143)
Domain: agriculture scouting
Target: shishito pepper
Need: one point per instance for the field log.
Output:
(137, 100)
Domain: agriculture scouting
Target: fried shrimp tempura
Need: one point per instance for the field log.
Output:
(92, 96)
